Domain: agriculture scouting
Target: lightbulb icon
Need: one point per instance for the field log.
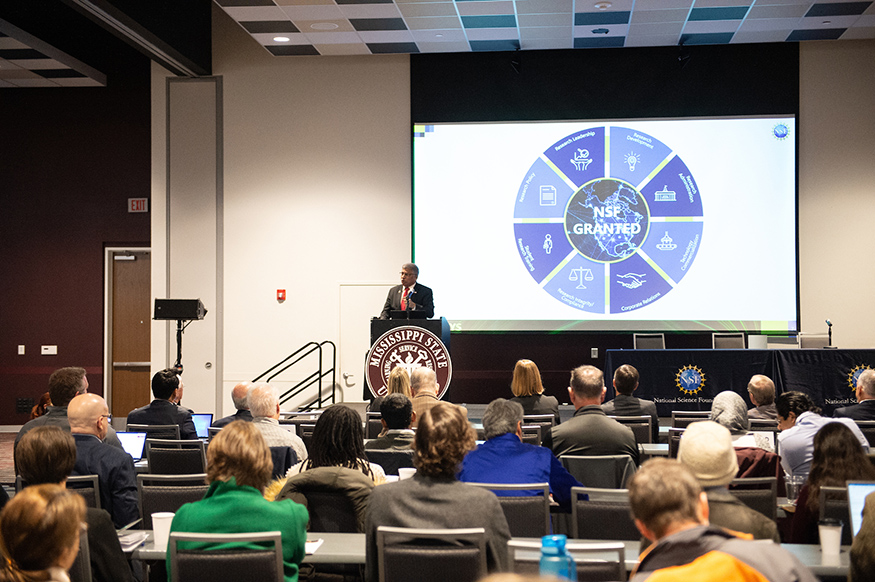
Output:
(632, 158)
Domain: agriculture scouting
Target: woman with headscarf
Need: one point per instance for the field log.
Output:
(730, 410)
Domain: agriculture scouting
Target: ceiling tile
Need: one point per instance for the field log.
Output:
(325, 12)
(494, 45)
(730, 13)
(601, 18)
(367, 24)
(442, 35)
(760, 36)
(269, 26)
(546, 43)
(760, 25)
(491, 33)
(496, 21)
(837, 9)
(255, 13)
(651, 40)
(858, 33)
(612, 30)
(393, 47)
(657, 29)
(345, 37)
(827, 22)
(443, 22)
(711, 26)
(285, 4)
(268, 39)
(816, 34)
(545, 20)
(77, 82)
(542, 32)
(342, 25)
(386, 36)
(723, 3)
(662, 4)
(484, 8)
(370, 11)
(659, 16)
(444, 47)
(706, 38)
(611, 41)
(7, 42)
(343, 49)
(18, 73)
(867, 20)
(545, 6)
(37, 64)
(431, 9)
(36, 82)
(292, 50)
(786, 11)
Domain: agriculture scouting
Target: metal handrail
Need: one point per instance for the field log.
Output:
(316, 377)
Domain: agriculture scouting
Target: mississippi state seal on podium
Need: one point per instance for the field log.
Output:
(410, 347)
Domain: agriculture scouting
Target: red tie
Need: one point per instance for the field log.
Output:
(404, 299)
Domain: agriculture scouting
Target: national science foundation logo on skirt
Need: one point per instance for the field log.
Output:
(854, 374)
(690, 379)
(410, 347)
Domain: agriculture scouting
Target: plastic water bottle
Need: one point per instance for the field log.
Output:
(555, 560)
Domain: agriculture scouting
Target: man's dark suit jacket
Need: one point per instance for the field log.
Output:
(422, 297)
(165, 412)
(115, 474)
(239, 415)
(862, 411)
(628, 405)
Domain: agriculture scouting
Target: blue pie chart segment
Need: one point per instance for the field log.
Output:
(608, 220)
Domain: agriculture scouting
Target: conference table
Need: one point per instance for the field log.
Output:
(349, 548)
(690, 379)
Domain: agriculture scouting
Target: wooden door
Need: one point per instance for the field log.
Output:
(130, 349)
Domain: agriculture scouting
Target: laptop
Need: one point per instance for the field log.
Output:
(857, 492)
(134, 443)
(202, 424)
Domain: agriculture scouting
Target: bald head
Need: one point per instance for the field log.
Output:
(761, 390)
(423, 380)
(238, 395)
(87, 414)
(866, 385)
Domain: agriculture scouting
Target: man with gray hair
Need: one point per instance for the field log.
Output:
(590, 431)
(265, 408)
(504, 458)
(409, 296)
(761, 390)
(423, 384)
(865, 394)
(239, 397)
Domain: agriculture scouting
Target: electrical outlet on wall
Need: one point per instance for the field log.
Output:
(593, 353)
(20, 350)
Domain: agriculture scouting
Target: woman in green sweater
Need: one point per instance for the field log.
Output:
(238, 468)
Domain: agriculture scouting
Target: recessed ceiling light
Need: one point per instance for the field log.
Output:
(603, 5)
(281, 39)
(827, 22)
(323, 26)
(439, 36)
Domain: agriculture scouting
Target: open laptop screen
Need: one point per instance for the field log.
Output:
(133, 443)
(857, 492)
(202, 424)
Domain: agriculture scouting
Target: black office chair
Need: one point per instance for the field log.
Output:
(596, 562)
(80, 571)
(176, 457)
(606, 515)
(88, 486)
(727, 341)
(648, 341)
(390, 460)
(528, 516)
(758, 493)
(431, 555)
(867, 427)
(167, 493)
(834, 504)
(208, 565)
(602, 471)
(684, 418)
(156, 431)
(642, 427)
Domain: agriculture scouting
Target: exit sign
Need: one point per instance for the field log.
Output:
(138, 205)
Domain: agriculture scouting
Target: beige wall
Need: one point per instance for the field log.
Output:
(317, 175)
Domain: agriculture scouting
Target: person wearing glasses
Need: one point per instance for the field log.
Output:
(89, 419)
(409, 295)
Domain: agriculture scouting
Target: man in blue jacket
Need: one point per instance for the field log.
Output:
(504, 458)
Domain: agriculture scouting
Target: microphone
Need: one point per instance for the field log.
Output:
(829, 335)
(829, 323)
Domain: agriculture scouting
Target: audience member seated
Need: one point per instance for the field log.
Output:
(265, 407)
(838, 458)
(46, 455)
(624, 404)
(64, 384)
(729, 410)
(671, 510)
(529, 392)
(706, 450)
(761, 390)
(504, 458)
(339, 441)
(238, 469)
(39, 534)
(89, 419)
(590, 431)
(399, 383)
(167, 389)
(397, 416)
(799, 420)
(42, 406)
(423, 385)
(862, 567)
(433, 498)
(238, 397)
(865, 394)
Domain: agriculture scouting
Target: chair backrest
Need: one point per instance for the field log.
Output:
(431, 555)
(243, 563)
(684, 418)
(764, 424)
(157, 431)
(390, 460)
(674, 441)
(727, 341)
(641, 427)
(813, 340)
(606, 515)
(80, 571)
(648, 341)
(176, 457)
(331, 511)
(596, 562)
(374, 427)
(867, 427)
(532, 434)
(758, 493)
(834, 504)
(305, 431)
(528, 515)
(283, 459)
(87, 486)
(214, 430)
(159, 493)
(604, 471)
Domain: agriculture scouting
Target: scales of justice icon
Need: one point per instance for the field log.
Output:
(580, 275)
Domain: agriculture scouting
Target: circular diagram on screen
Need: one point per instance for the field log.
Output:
(608, 220)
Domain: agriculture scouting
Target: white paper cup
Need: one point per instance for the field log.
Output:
(406, 472)
(161, 528)
(830, 536)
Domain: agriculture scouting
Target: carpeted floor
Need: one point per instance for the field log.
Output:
(7, 471)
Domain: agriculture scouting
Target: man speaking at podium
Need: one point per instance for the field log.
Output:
(409, 296)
